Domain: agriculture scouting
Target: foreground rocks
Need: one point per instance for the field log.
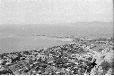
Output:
(69, 59)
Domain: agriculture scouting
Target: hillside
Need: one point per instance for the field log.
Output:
(70, 59)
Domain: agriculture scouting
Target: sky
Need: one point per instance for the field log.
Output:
(55, 11)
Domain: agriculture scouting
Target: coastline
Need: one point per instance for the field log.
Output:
(17, 43)
(60, 38)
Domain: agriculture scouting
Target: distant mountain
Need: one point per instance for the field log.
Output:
(82, 28)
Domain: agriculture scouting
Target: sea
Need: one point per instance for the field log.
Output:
(22, 37)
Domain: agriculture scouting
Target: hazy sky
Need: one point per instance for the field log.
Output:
(54, 11)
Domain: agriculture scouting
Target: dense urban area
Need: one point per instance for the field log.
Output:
(81, 57)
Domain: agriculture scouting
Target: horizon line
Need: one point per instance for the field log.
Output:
(58, 23)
